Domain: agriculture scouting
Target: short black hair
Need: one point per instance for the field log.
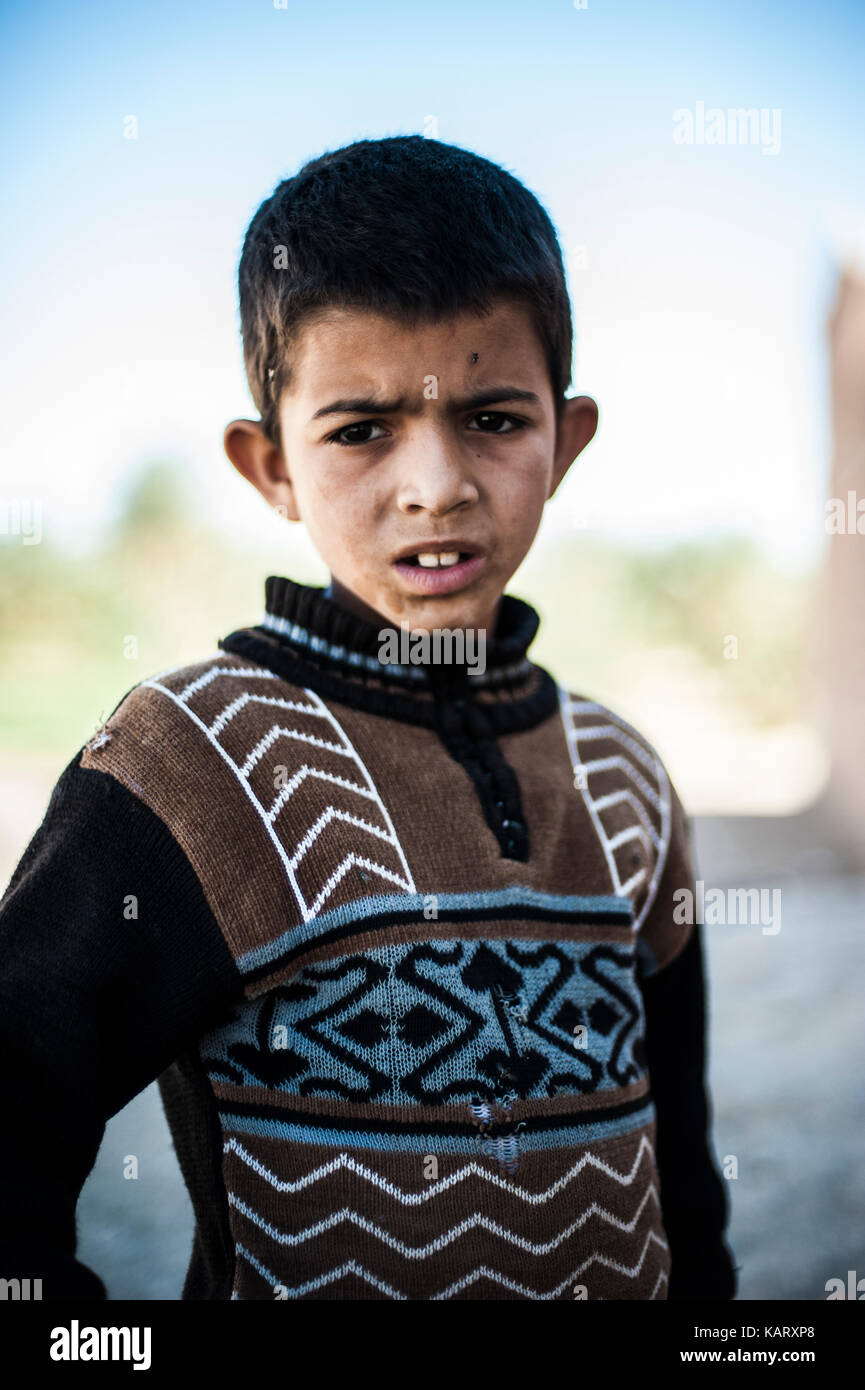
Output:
(405, 226)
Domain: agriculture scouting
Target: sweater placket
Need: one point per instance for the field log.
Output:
(309, 639)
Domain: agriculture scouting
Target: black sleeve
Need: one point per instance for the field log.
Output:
(111, 964)
(694, 1199)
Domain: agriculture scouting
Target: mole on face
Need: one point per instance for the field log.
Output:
(474, 357)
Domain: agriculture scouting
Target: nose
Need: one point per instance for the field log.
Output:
(434, 472)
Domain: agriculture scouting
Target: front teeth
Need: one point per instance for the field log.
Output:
(432, 561)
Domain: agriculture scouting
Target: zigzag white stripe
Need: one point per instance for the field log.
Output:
(469, 1170)
(300, 1289)
(471, 1223)
(482, 1272)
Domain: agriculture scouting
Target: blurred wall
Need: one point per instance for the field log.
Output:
(839, 678)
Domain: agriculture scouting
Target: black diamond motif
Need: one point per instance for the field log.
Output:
(603, 1017)
(568, 1017)
(367, 1028)
(420, 1026)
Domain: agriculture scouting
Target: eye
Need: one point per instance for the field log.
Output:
(496, 417)
(362, 425)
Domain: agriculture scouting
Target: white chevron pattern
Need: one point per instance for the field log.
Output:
(640, 796)
(336, 742)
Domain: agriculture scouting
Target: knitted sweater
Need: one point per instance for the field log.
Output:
(399, 945)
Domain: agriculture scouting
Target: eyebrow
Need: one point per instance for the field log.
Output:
(371, 405)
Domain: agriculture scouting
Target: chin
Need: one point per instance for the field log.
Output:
(453, 611)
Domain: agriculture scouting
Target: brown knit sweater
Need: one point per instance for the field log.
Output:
(399, 945)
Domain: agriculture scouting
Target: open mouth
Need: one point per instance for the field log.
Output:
(443, 560)
(439, 572)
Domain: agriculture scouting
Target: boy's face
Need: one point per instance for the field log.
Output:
(397, 438)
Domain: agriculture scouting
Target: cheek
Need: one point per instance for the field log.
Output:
(337, 508)
(325, 492)
(524, 485)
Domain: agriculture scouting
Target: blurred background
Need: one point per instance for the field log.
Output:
(701, 569)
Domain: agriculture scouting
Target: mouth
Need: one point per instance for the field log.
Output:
(439, 568)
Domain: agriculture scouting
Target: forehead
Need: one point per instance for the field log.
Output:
(342, 348)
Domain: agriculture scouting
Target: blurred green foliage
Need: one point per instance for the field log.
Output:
(606, 609)
(164, 582)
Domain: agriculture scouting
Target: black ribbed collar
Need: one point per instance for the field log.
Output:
(309, 638)
(308, 618)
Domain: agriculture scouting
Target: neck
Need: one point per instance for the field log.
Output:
(348, 600)
(310, 639)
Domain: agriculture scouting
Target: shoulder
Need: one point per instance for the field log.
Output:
(627, 790)
(612, 751)
(198, 745)
(600, 730)
(188, 703)
(172, 731)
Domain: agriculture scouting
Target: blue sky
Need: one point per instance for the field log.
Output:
(701, 275)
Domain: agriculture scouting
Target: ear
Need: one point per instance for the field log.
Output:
(261, 463)
(576, 429)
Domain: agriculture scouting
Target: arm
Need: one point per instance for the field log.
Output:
(693, 1195)
(111, 964)
(694, 1199)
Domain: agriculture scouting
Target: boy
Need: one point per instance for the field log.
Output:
(403, 952)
